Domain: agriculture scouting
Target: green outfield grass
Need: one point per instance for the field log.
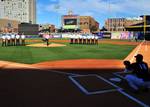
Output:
(30, 55)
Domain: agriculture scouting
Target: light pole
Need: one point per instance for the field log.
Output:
(144, 25)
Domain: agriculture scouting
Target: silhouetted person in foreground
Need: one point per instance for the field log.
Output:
(127, 65)
(140, 76)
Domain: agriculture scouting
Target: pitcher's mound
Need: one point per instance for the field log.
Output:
(44, 45)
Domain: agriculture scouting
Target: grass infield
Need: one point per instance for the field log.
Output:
(31, 55)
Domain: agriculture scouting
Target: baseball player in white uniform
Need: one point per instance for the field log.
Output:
(17, 40)
(80, 39)
(13, 39)
(76, 39)
(47, 36)
(96, 40)
(88, 39)
(84, 39)
(22, 39)
(71, 39)
(92, 41)
(8, 39)
(4, 40)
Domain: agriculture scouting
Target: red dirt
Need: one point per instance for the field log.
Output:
(81, 64)
(86, 63)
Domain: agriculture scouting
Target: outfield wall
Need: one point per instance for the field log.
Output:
(127, 35)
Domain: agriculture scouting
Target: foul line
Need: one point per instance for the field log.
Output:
(146, 48)
(137, 51)
(133, 98)
(84, 90)
(120, 90)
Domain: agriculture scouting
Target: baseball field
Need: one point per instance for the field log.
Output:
(69, 75)
(34, 53)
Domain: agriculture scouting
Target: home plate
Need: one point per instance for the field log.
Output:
(115, 79)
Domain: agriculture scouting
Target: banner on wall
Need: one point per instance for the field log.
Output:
(115, 35)
(122, 35)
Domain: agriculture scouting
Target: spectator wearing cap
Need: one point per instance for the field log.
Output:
(140, 75)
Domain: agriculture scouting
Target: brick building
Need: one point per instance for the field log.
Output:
(47, 28)
(88, 24)
(7, 25)
(115, 24)
(120, 24)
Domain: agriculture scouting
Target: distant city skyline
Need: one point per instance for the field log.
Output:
(50, 11)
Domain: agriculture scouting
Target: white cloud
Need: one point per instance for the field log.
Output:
(100, 8)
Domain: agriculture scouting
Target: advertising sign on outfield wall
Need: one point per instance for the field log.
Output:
(122, 35)
(115, 35)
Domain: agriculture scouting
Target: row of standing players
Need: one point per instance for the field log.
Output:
(92, 40)
(13, 40)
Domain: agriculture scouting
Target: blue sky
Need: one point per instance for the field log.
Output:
(50, 11)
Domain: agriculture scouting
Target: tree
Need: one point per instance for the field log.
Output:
(94, 28)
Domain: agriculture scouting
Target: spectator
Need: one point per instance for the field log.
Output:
(140, 75)
(127, 65)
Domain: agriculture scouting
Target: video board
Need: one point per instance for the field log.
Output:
(70, 21)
